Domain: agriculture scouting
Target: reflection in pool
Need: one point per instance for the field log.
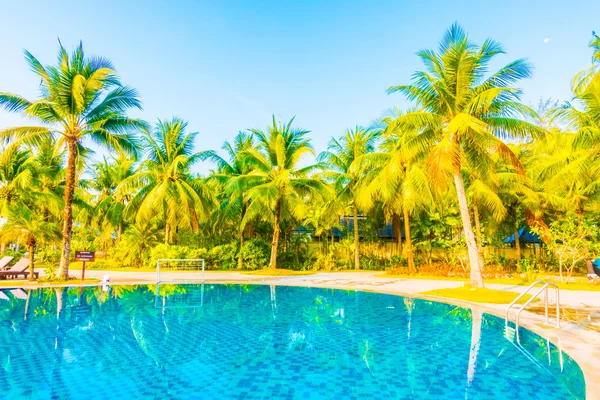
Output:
(265, 342)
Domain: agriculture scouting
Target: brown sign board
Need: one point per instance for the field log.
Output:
(85, 256)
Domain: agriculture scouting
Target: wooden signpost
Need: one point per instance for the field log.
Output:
(85, 256)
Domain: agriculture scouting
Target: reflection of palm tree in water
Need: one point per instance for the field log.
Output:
(476, 318)
(58, 387)
(409, 303)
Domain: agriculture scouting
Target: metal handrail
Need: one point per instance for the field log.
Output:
(544, 289)
(520, 296)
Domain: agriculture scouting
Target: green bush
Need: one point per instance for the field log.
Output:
(255, 254)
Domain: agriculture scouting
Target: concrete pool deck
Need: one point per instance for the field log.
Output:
(581, 341)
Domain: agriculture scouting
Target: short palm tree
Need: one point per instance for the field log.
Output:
(463, 113)
(81, 98)
(235, 199)
(397, 177)
(165, 186)
(278, 187)
(138, 239)
(29, 225)
(105, 178)
(343, 158)
(16, 177)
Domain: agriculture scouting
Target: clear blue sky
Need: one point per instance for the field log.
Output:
(226, 66)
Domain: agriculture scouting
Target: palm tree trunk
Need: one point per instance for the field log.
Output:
(517, 244)
(478, 234)
(240, 261)
(476, 318)
(276, 232)
(68, 210)
(31, 262)
(119, 230)
(397, 229)
(242, 230)
(167, 233)
(409, 249)
(356, 239)
(476, 278)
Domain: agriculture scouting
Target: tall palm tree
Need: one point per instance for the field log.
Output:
(463, 113)
(165, 186)
(342, 158)
(278, 187)
(80, 98)
(581, 82)
(28, 224)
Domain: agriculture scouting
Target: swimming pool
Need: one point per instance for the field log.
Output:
(265, 342)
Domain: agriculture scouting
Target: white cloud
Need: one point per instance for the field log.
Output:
(546, 40)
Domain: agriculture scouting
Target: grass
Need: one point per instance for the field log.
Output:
(278, 272)
(468, 293)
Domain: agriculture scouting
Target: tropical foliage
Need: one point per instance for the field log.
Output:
(439, 187)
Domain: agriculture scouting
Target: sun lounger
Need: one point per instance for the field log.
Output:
(4, 261)
(20, 268)
(19, 294)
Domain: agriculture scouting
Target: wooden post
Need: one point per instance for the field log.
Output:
(83, 272)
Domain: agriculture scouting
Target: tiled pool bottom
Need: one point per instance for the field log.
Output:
(261, 342)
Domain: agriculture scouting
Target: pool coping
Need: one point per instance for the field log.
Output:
(576, 343)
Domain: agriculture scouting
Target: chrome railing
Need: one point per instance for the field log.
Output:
(544, 288)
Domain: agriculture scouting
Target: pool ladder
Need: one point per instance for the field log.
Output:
(544, 288)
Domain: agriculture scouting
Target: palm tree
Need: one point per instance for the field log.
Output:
(81, 98)
(27, 224)
(15, 177)
(105, 178)
(582, 81)
(235, 202)
(166, 187)
(399, 180)
(138, 239)
(277, 187)
(48, 176)
(343, 157)
(463, 114)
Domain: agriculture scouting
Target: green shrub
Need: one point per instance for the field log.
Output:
(255, 254)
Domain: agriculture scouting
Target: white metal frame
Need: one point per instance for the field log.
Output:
(176, 260)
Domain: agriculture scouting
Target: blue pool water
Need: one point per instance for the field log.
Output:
(265, 342)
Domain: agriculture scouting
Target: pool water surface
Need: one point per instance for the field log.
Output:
(266, 342)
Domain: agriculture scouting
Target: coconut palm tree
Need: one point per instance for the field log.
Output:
(278, 187)
(342, 158)
(235, 199)
(81, 98)
(105, 178)
(29, 225)
(16, 177)
(165, 186)
(138, 239)
(398, 180)
(581, 82)
(462, 114)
